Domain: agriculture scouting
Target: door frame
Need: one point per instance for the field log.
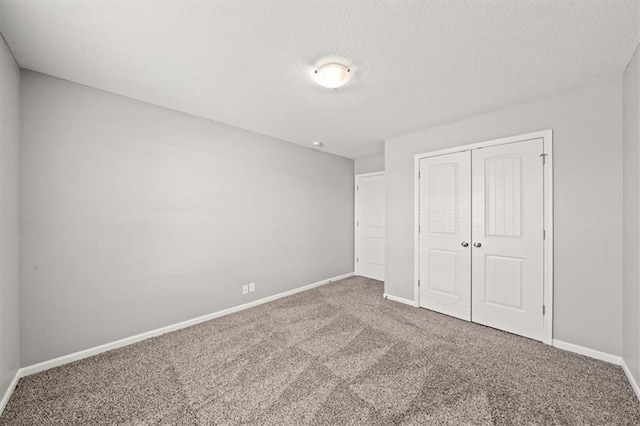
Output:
(547, 148)
(355, 215)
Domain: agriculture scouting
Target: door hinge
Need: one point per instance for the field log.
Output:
(358, 188)
(544, 156)
(418, 229)
(543, 310)
(418, 283)
(357, 223)
(419, 175)
(544, 234)
(357, 259)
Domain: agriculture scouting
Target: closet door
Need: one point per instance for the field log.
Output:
(444, 234)
(507, 259)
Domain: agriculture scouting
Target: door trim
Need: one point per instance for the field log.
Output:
(355, 215)
(547, 144)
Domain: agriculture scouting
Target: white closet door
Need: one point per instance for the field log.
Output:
(370, 198)
(507, 238)
(445, 231)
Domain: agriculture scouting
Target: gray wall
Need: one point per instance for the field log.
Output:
(374, 163)
(587, 131)
(9, 287)
(136, 217)
(631, 230)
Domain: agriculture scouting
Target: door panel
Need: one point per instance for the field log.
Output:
(445, 223)
(507, 257)
(370, 226)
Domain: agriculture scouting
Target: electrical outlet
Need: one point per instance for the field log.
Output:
(252, 287)
(245, 289)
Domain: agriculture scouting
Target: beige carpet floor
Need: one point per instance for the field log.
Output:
(338, 354)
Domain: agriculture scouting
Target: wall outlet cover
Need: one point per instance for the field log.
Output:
(252, 287)
(245, 289)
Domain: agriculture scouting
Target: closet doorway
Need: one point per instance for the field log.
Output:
(484, 233)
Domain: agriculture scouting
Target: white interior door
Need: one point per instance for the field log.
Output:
(445, 234)
(508, 223)
(370, 205)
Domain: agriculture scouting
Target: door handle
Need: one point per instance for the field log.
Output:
(465, 244)
(477, 244)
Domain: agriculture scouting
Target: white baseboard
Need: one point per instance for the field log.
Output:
(7, 394)
(603, 356)
(632, 380)
(399, 299)
(65, 359)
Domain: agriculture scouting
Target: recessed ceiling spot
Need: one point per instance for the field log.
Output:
(332, 75)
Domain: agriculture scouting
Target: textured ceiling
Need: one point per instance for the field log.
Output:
(249, 64)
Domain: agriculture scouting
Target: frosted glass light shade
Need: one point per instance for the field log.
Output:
(332, 75)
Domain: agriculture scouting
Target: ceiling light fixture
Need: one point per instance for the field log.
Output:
(332, 76)
(317, 144)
